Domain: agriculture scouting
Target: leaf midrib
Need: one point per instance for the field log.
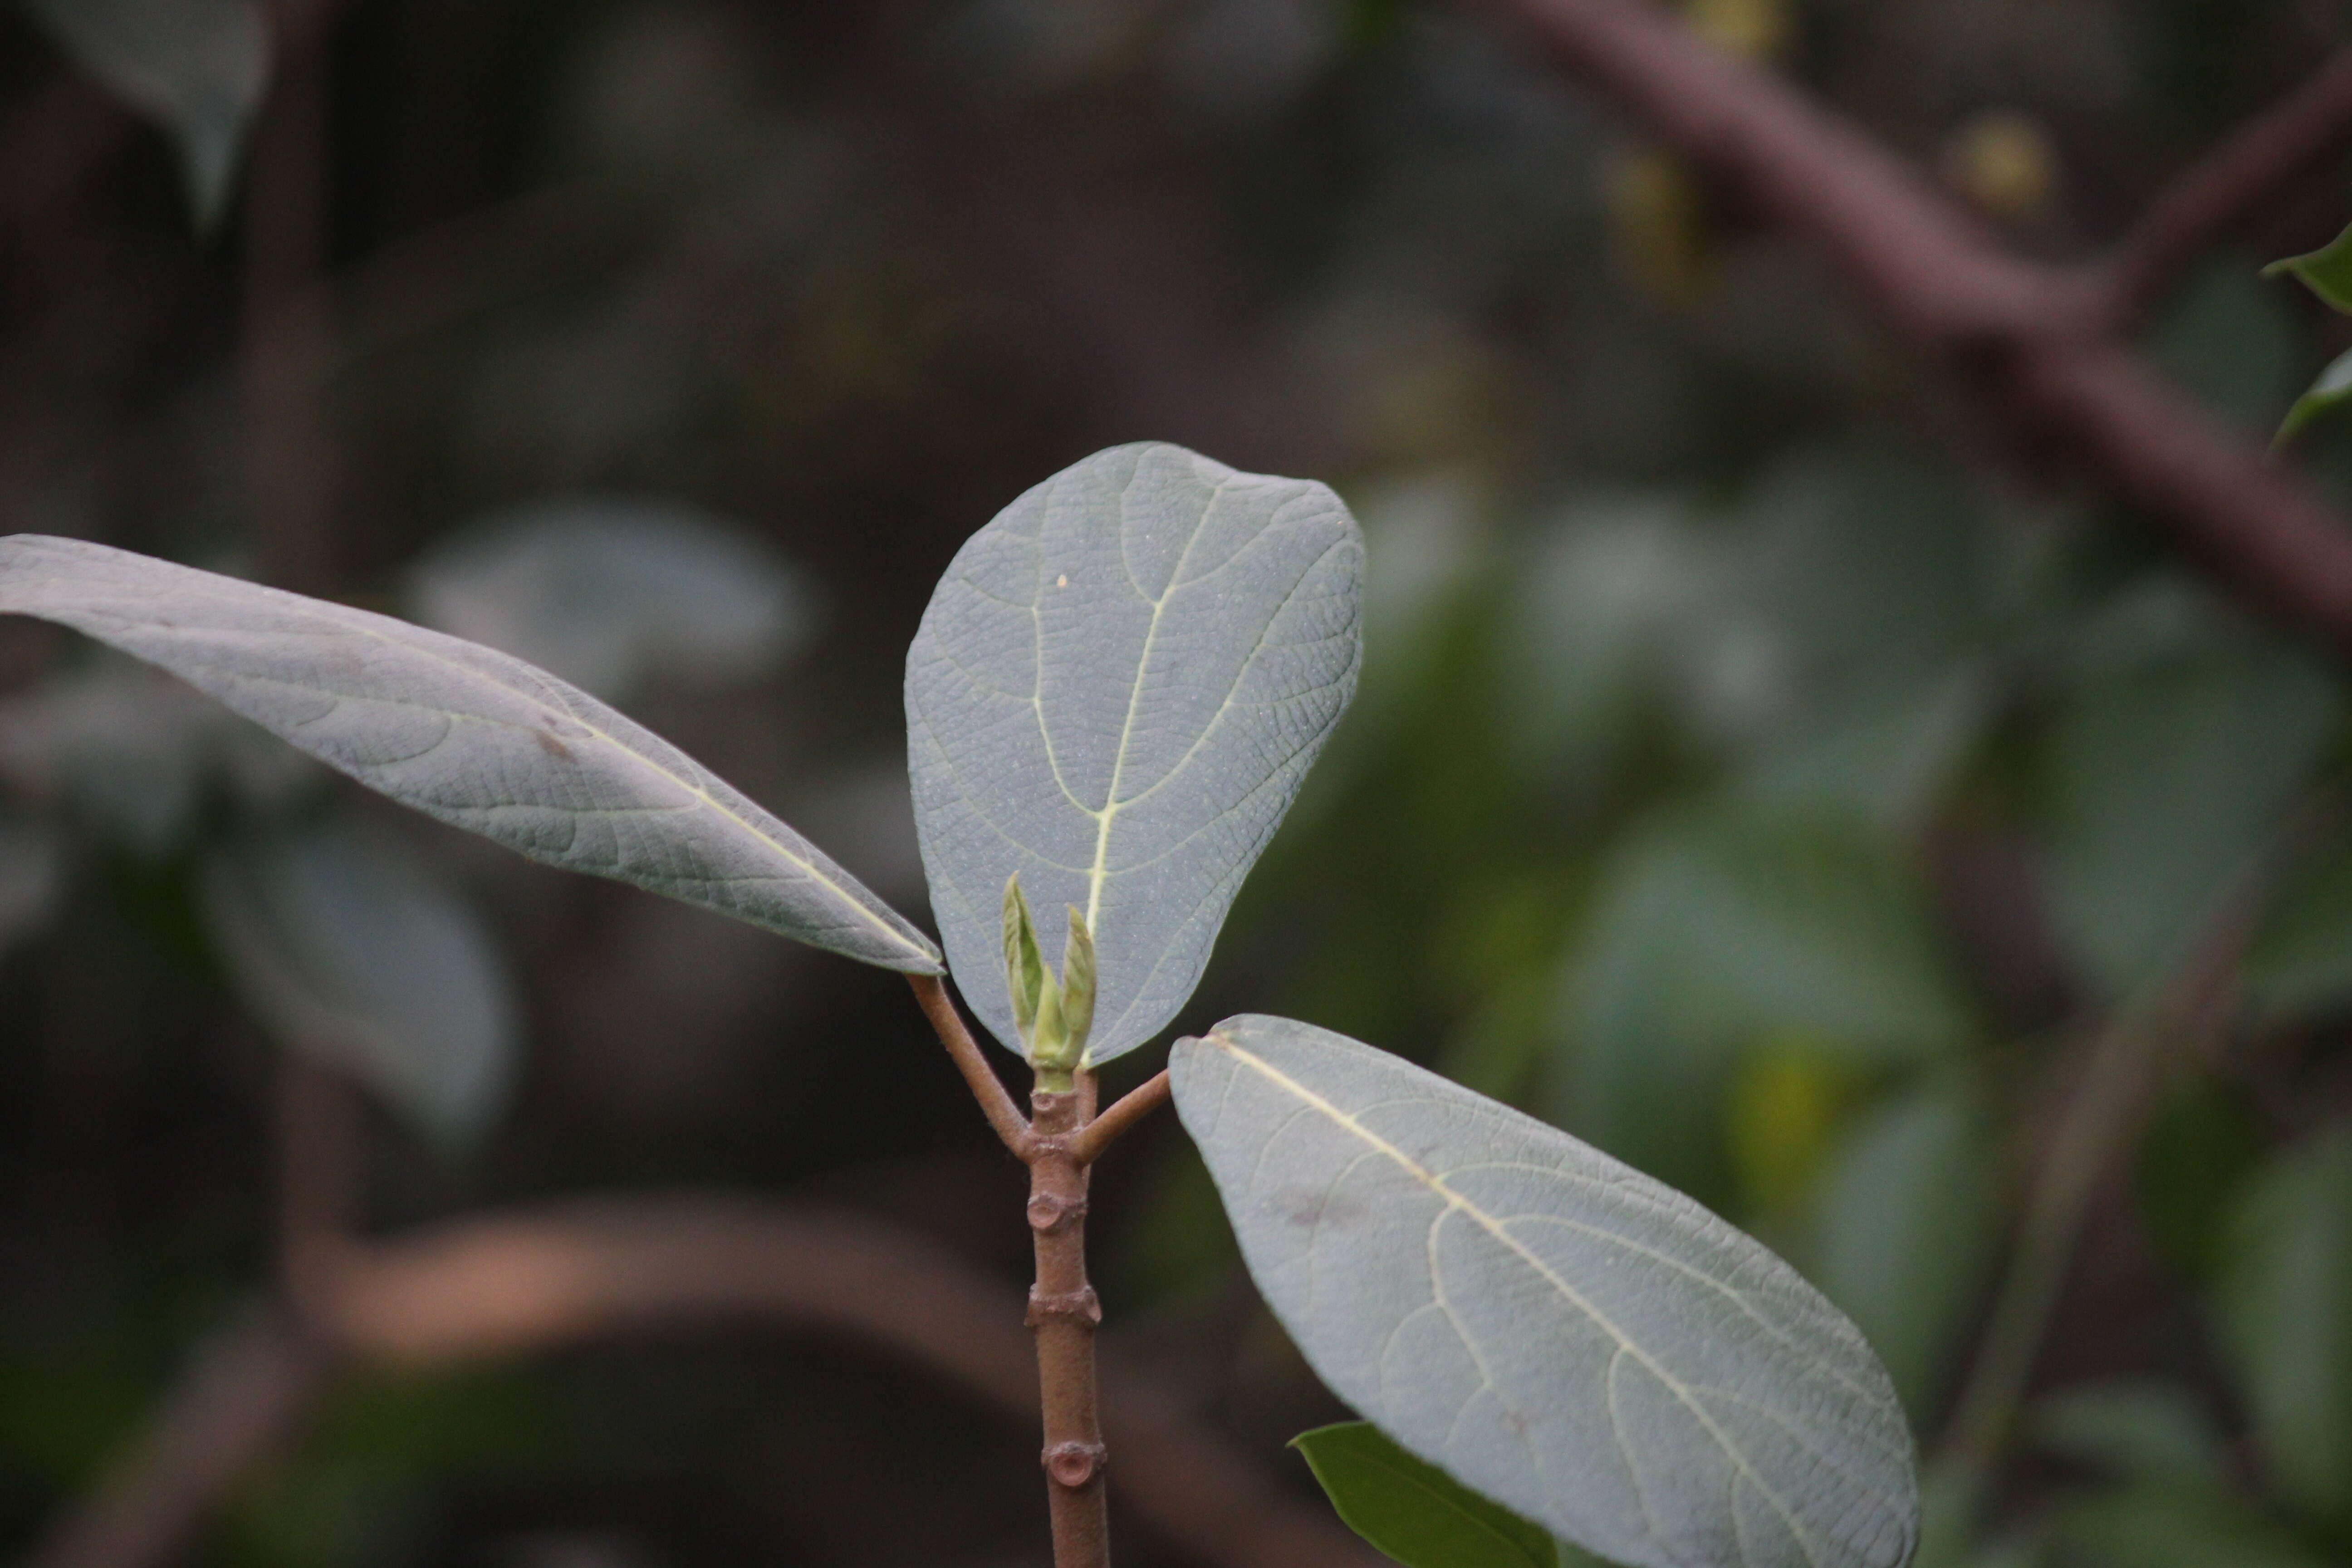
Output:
(1453, 1200)
(594, 731)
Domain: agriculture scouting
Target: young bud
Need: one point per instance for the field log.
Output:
(1024, 967)
(1079, 986)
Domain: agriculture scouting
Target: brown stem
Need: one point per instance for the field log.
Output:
(1101, 1132)
(2223, 188)
(545, 1278)
(2039, 340)
(995, 1101)
(1063, 1316)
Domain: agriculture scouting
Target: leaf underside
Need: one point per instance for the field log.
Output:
(1581, 1344)
(465, 734)
(1115, 692)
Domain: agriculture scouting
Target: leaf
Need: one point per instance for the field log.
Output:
(198, 67)
(2150, 1432)
(1710, 931)
(607, 594)
(1579, 1342)
(348, 950)
(2286, 1311)
(1414, 1512)
(2326, 272)
(2231, 344)
(1906, 1224)
(2332, 386)
(2171, 765)
(464, 734)
(2300, 961)
(1115, 692)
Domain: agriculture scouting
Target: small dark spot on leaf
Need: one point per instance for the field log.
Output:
(1308, 1207)
(552, 746)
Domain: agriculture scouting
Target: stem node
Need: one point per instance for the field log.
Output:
(1072, 1465)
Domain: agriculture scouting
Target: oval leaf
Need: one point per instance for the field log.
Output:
(465, 734)
(1115, 692)
(1582, 1344)
(1414, 1512)
(348, 950)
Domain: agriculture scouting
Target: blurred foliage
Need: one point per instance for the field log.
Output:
(1753, 772)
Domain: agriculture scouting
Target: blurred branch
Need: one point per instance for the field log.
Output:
(532, 1282)
(250, 1386)
(2223, 188)
(2119, 1077)
(2037, 342)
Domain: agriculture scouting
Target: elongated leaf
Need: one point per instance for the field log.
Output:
(465, 734)
(1116, 690)
(1582, 1344)
(1414, 1512)
(350, 952)
(2286, 1311)
(196, 68)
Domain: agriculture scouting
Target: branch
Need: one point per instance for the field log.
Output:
(1100, 1133)
(2033, 340)
(558, 1276)
(995, 1102)
(250, 1386)
(2224, 188)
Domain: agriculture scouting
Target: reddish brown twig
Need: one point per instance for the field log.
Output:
(1104, 1131)
(574, 1272)
(1061, 1141)
(2229, 185)
(995, 1102)
(2036, 342)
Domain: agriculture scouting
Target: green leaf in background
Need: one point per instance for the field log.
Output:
(1115, 692)
(2232, 344)
(1414, 1512)
(2326, 272)
(1906, 1230)
(2284, 1302)
(1710, 931)
(2147, 1432)
(465, 734)
(2299, 964)
(1585, 1346)
(609, 594)
(349, 951)
(2332, 387)
(2197, 1150)
(2174, 752)
(199, 68)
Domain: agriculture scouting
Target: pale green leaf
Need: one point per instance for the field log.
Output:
(2286, 1311)
(2300, 961)
(465, 734)
(1115, 692)
(1581, 1344)
(349, 951)
(1414, 1512)
(198, 67)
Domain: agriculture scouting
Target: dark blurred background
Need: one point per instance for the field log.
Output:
(1756, 772)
